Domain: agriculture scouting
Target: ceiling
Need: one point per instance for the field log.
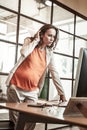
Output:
(77, 5)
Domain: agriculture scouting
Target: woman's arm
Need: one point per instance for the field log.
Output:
(27, 41)
(56, 79)
(28, 46)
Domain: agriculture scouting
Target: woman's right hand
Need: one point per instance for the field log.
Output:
(37, 36)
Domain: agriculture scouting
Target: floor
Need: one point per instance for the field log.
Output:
(52, 126)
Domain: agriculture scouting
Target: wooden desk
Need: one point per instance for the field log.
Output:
(42, 115)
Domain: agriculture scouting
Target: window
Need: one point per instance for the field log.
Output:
(36, 9)
(63, 19)
(18, 23)
(27, 28)
(65, 44)
(9, 4)
(7, 57)
(8, 25)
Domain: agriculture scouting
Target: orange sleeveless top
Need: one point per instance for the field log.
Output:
(30, 71)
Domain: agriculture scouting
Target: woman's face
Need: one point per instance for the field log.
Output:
(49, 37)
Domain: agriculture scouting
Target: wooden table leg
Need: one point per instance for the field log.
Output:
(20, 122)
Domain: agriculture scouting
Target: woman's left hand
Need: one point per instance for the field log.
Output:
(62, 98)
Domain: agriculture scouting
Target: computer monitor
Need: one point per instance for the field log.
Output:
(80, 87)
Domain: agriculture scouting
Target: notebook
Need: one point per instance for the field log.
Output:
(50, 103)
(44, 103)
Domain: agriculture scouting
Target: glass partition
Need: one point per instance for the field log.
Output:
(64, 65)
(65, 43)
(27, 28)
(3, 85)
(81, 26)
(10, 4)
(19, 48)
(7, 57)
(36, 9)
(79, 43)
(75, 67)
(63, 19)
(8, 25)
(33, 14)
(67, 87)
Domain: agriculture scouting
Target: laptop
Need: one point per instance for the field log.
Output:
(77, 106)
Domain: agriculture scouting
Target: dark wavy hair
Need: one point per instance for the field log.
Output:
(43, 30)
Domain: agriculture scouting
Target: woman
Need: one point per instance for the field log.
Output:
(26, 79)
